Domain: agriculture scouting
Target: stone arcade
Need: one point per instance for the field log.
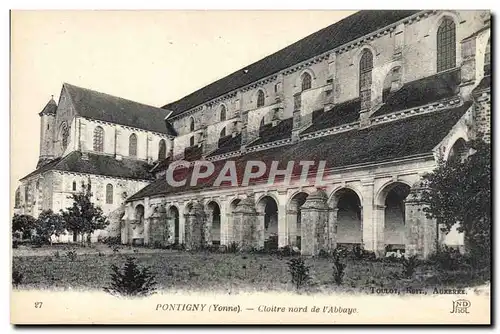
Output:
(380, 104)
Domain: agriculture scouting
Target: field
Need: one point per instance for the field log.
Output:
(51, 267)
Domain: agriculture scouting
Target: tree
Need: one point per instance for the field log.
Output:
(23, 224)
(48, 224)
(460, 192)
(83, 216)
(131, 280)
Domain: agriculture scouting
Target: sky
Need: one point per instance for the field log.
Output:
(152, 57)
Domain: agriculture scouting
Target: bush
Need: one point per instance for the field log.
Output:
(233, 247)
(299, 272)
(111, 241)
(410, 265)
(71, 255)
(447, 258)
(131, 280)
(15, 244)
(17, 277)
(338, 270)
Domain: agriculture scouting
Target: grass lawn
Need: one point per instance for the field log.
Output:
(50, 267)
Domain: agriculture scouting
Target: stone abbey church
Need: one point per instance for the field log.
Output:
(380, 96)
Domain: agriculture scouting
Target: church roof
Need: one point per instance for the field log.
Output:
(343, 113)
(484, 84)
(50, 108)
(331, 37)
(97, 164)
(415, 135)
(104, 107)
(420, 92)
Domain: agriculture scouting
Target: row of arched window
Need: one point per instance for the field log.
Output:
(446, 59)
(132, 144)
(109, 191)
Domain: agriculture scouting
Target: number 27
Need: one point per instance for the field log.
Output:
(38, 304)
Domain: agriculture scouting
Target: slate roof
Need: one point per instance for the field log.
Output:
(420, 92)
(99, 106)
(269, 133)
(343, 113)
(227, 144)
(331, 37)
(97, 164)
(383, 142)
(483, 84)
(50, 108)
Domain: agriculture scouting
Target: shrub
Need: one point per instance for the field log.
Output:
(15, 244)
(131, 280)
(111, 241)
(233, 247)
(338, 270)
(71, 255)
(17, 277)
(299, 272)
(287, 251)
(57, 254)
(410, 264)
(447, 258)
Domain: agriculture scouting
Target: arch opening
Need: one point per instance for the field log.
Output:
(215, 224)
(173, 214)
(138, 228)
(349, 229)
(268, 209)
(394, 216)
(458, 152)
(294, 219)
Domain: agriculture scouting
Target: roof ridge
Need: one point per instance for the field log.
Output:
(114, 96)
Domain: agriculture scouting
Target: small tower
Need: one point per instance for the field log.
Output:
(47, 123)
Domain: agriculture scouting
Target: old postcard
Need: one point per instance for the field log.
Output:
(251, 167)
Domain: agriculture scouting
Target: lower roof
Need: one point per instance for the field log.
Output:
(389, 141)
(97, 164)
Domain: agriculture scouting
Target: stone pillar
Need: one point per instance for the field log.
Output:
(159, 227)
(314, 222)
(245, 224)
(291, 222)
(209, 214)
(261, 228)
(195, 227)
(332, 229)
(378, 226)
(225, 221)
(368, 216)
(282, 227)
(421, 232)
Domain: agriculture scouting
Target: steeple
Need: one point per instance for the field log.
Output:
(50, 107)
(47, 122)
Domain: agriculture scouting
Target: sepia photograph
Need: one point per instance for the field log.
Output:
(250, 167)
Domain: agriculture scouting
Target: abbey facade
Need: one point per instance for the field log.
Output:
(380, 96)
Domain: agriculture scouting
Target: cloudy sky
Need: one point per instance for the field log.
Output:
(153, 57)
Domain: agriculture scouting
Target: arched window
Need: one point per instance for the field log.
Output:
(132, 145)
(162, 150)
(222, 113)
(74, 185)
(191, 124)
(223, 133)
(446, 45)
(191, 141)
(98, 139)
(109, 193)
(365, 78)
(306, 81)
(64, 135)
(261, 99)
(17, 202)
(27, 193)
(487, 59)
